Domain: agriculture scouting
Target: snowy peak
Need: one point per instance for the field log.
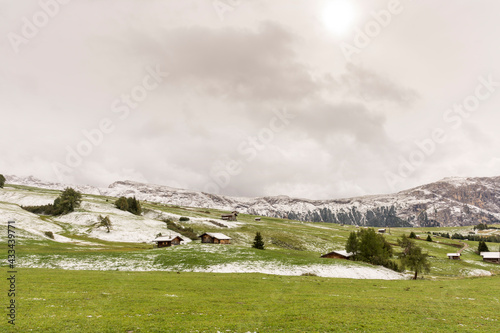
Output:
(448, 202)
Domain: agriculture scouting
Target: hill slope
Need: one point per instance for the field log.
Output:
(292, 247)
(449, 202)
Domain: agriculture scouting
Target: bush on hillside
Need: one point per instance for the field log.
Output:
(66, 203)
(131, 205)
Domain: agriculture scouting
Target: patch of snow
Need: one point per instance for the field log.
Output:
(333, 271)
(141, 262)
(477, 272)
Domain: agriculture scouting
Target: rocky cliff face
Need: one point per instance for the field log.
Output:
(449, 202)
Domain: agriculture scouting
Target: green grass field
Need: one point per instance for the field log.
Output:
(51, 300)
(112, 286)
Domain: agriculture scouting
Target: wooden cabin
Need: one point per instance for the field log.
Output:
(164, 241)
(257, 219)
(381, 231)
(453, 256)
(215, 238)
(230, 217)
(492, 257)
(341, 254)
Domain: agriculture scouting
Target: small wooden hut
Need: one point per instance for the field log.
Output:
(164, 241)
(230, 217)
(453, 256)
(341, 254)
(493, 257)
(215, 238)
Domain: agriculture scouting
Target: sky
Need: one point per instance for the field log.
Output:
(317, 99)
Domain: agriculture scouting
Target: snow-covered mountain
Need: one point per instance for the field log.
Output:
(449, 202)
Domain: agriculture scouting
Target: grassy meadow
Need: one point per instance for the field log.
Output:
(96, 285)
(52, 300)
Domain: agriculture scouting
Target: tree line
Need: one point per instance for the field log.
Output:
(368, 246)
(67, 202)
(474, 238)
(131, 205)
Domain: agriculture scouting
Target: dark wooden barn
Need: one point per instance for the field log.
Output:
(338, 255)
(215, 238)
(493, 257)
(230, 217)
(164, 241)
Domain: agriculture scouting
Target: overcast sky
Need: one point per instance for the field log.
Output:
(315, 99)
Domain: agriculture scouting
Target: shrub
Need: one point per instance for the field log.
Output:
(184, 219)
(49, 234)
(2, 181)
(412, 235)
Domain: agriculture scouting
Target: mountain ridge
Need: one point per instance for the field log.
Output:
(452, 201)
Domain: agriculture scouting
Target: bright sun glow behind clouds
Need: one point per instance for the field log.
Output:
(338, 15)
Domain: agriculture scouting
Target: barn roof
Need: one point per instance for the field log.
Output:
(166, 239)
(490, 255)
(216, 235)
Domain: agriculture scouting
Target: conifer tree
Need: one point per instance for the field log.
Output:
(482, 247)
(122, 203)
(258, 242)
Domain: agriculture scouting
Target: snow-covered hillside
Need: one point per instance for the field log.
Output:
(449, 202)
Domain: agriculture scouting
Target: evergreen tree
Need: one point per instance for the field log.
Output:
(258, 242)
(482, 247)
(429, 239)
(368, 246)
(2, 181)
(122, 203)
(412, 235)
(352, 244)
(131, 205)
(412, 257)
(64, 204)
(134, 206)
(68, 201)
